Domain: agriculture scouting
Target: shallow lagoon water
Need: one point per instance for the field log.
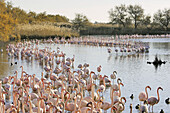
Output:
(134, 71)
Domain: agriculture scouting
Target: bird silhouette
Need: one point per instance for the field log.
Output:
(162, 111)
(132, 96)
(167, 101)
(137, 106)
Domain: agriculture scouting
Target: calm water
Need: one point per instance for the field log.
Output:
(135, 73)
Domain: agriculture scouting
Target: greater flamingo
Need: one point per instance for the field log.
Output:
(144, 95)
(153, 100)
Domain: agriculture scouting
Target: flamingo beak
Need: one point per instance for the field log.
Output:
(122, 84)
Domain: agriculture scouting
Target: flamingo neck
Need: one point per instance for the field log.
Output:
(18, 109)
(98, 94)
(119, 91)
(75, 103)
(146, 93)
(62, 96)
(56, 101)
(104, 82)
(80, 100)
(92, 93)
(123, 106)
(158, 95)
(112, 98)
(78, 86)
(87, 110)
(48, 98)
(30, 106)
(14, 99)
(92, 107)
(23, 109)
(51, 109)
(3, 108)
(67, 100)
(38, 106)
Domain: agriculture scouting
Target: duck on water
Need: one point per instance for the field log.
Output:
(156, 61)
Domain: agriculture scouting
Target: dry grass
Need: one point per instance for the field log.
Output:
(44, 30)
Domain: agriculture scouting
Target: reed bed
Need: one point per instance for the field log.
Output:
(44, 30)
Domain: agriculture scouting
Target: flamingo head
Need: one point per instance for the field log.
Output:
(66, 93)
(160, 88)
(115, 72)
(123, 99)
(92, 72)
(148, 87)
(119, 80)
(114, 108)
(90, 103)
(105, 76)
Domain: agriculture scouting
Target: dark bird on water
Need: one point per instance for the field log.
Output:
(149, 62)
(137, 106)
(167, 101)
(132, 96)
(162, 111)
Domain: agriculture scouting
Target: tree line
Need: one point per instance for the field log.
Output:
(127, 20)
(134, 15)
(124, 19)
(12, 17)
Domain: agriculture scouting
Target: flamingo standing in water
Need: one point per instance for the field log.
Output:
(70, 106)
(153, 100)
(103, 87)
(144, 95)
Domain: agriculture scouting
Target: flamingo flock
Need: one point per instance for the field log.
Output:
(63, 87)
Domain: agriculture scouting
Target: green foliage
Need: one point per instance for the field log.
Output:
(136, 13)
(80, 22)
(162, 17)
(119, 15)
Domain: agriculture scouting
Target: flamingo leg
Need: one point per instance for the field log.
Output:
(54, 84)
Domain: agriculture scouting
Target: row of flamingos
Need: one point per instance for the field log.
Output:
(62, 88)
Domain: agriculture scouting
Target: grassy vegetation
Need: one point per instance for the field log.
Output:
(44, 30)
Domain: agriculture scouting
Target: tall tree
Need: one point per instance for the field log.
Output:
(146, 21)
(31, 16)
(80, 21)
(162, 17)
(136, 13)
(7, 23)
(118, 15)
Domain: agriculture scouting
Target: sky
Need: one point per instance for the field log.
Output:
(95, 10)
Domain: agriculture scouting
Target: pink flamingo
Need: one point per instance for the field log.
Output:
(153, 100)
(144, 96)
